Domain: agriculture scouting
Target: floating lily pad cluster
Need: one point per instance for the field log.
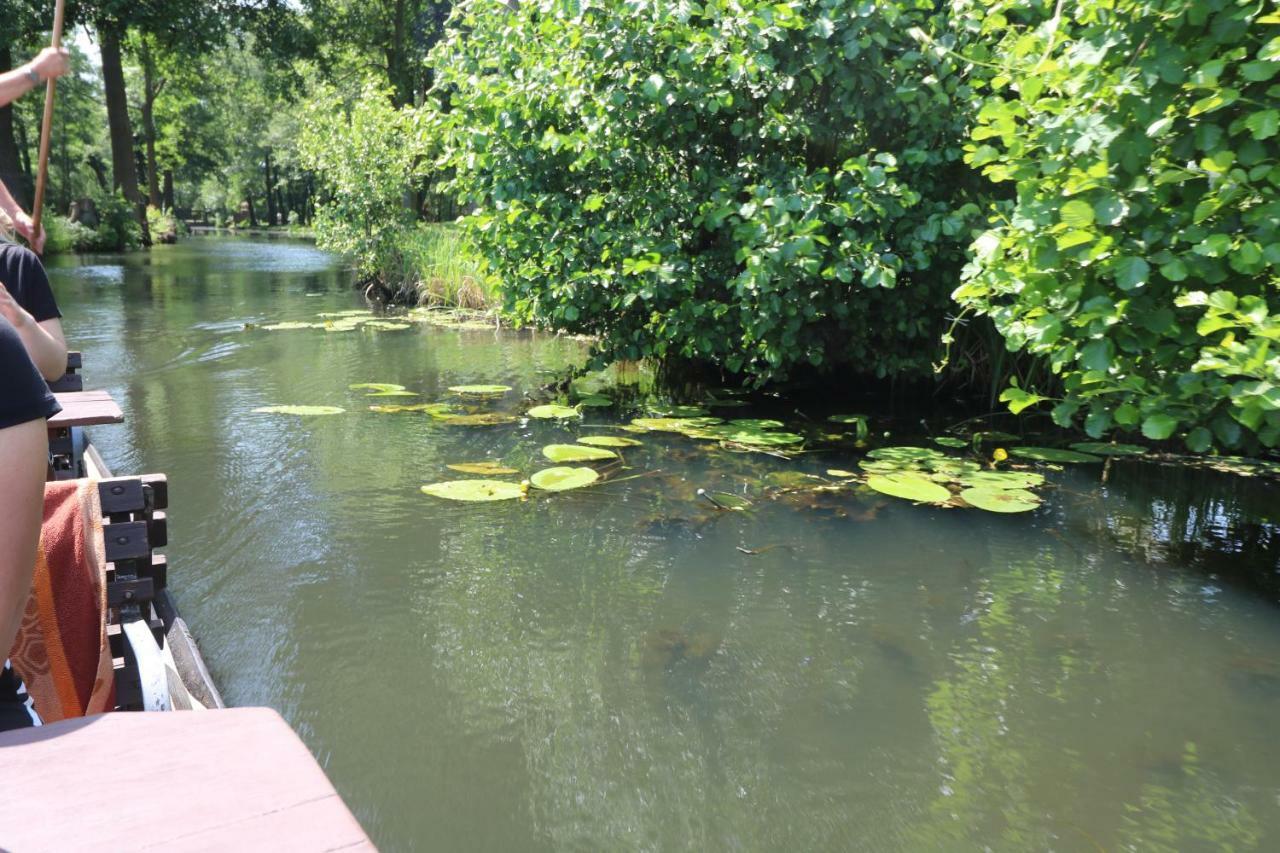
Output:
(748, 433)
(363, 318)
(925, 475)
(559, 478)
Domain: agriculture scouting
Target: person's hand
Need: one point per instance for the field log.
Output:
(51, 63)
(23, 224)
(11, 310)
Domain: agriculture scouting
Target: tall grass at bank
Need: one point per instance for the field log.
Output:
(437, 269)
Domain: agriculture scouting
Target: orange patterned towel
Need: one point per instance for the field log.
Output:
(61, 652)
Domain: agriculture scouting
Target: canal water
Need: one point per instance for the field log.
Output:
(624, 667)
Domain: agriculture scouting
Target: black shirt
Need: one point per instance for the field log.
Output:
(24, 396)
(24, 277)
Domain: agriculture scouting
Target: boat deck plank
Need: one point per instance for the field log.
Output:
(237, 779)
(86, 408)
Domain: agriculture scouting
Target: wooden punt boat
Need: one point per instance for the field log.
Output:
(203, 777)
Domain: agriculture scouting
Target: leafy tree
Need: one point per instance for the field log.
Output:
(1140, 251)
(758, 185)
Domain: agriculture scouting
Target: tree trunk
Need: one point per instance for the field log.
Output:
(124, 173)
(253, 219)
(11, 172)
(149, 92)
(271, 195)
(167, 192)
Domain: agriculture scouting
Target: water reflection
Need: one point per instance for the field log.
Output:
(625, 668)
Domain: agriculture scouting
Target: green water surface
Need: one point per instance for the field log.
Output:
(606, 670)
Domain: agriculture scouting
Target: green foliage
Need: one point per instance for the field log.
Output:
(118, 228)
(365, 152)
(1140, 251)
(758, 185)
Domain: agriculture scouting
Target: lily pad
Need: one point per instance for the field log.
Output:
(911, 487)
(485, 469)
(840, 473)
(674, 424)
(563, 478)
(475, 490)
(907, 454)
(793, 479)
(609, 441)
(435, 409)
(386, 326)
(301, 411)
(290, 324)
(727, 404)
(727, 501)
(595, 401)
(355, 312)
(480, 390)
(755, 423)
(678, 411)
(576, 453)
(756, 437)
(1000, 500)
(989, 480)
(480, 419)
(950, 441)
(376, 386)
(1052, 454)
(553, 411)
(400, 393)
(1100, 448)
(848, 419)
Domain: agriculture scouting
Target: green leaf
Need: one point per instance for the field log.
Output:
(475, 490)
(300, 411)
(562, 479)
(1000, 500)
(1077, 214)
(1175, 270)
(609, 441)
(577, 453)
(1131, 272)
(1199, 440)
(486, 469)
(911, 487)
(1159, 427)
(480, 390)
(550, 412)
(1052, 454)
(1263, 124)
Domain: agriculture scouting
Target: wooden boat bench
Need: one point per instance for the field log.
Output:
(238, 779)
(80, 408)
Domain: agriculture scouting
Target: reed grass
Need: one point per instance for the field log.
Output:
(438, 269)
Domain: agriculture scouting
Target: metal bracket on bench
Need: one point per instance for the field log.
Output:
(134, 524)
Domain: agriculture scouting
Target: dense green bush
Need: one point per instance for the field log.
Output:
(1140, 254)
(365, 154)
(759, 185)
(117, 229)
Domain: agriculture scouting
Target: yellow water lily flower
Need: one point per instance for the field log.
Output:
(1000, 454)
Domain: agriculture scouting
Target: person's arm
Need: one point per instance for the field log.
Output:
(24, 453)
(50, 63)
(44, 341)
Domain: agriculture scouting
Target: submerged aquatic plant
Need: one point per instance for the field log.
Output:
(300, 411)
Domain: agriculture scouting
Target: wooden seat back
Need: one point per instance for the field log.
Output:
(71, 380)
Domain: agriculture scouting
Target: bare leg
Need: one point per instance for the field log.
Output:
(24, 451)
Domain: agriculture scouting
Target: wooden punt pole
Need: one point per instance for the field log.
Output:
(46, 129)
